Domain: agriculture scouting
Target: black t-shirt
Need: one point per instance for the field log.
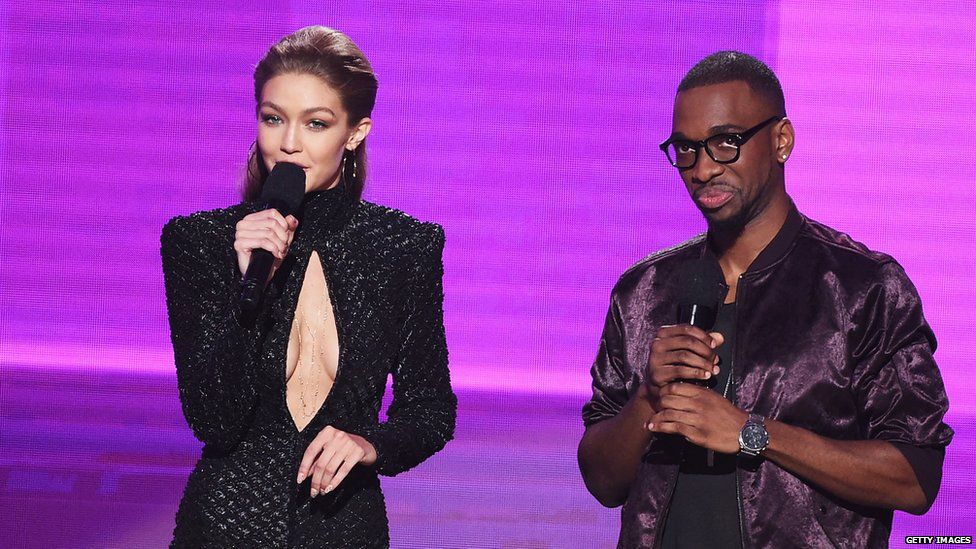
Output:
(704, 510)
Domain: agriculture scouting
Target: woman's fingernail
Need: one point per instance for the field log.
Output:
(314, 492)
(301, 477)
(328, 489)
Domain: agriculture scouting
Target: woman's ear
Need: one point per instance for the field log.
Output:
(359, 133)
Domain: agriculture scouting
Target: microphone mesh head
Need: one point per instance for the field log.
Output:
(700, 282)
(285, 188)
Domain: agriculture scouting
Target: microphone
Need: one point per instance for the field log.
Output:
(283, 191)
(701, 292)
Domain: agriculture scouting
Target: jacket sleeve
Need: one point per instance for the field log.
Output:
(896, 381)
(609, 372)
(210, 347)
(421, 418)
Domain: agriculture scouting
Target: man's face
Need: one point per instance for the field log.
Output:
(729, 195)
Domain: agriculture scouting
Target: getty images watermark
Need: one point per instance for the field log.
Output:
(936, 540)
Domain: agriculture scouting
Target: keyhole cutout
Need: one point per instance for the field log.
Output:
(313, 347)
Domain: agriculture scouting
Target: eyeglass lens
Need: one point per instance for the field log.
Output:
(723, 148)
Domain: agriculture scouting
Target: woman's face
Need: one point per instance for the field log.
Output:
(301, 120)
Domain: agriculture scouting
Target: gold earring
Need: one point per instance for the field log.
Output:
(348, 166)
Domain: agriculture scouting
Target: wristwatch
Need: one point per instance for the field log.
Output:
(753, 437)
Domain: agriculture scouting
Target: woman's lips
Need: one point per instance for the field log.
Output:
(712, 199)
(302, 166)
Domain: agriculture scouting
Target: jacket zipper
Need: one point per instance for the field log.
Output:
(735, 402)
(663, 515)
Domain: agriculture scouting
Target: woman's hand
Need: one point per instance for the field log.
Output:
(331, 456)
(266, 230)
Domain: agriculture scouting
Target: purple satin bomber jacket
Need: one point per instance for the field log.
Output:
(830, 337)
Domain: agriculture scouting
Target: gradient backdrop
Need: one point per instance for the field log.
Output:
(528, 130)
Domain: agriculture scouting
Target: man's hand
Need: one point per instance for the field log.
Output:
(699, 414)
(681, 352)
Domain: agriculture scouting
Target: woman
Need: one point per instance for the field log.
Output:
(287, 403)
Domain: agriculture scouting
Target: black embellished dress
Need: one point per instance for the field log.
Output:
(383, 271)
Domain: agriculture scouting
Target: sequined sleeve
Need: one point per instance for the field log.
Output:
(210, 347)
(422, 415)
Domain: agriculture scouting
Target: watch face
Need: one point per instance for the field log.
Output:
(754, 436)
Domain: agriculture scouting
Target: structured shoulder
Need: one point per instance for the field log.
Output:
(205, 225)
(396, 230)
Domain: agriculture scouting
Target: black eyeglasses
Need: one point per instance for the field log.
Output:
(723, 148)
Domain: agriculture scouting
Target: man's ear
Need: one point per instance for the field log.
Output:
(784, 140)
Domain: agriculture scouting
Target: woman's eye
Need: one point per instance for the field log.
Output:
(317, 125)
(270, 119)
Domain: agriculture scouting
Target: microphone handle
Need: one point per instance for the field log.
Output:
(255, 278)
(701, 316)
(252, 288)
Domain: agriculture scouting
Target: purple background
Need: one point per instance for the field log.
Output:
(529, 132)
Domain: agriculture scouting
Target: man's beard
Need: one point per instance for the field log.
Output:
(749, 209)
(734, 224)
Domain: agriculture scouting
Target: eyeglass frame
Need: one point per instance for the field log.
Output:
(741, 139)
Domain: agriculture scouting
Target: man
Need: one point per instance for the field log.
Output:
(813, 408)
